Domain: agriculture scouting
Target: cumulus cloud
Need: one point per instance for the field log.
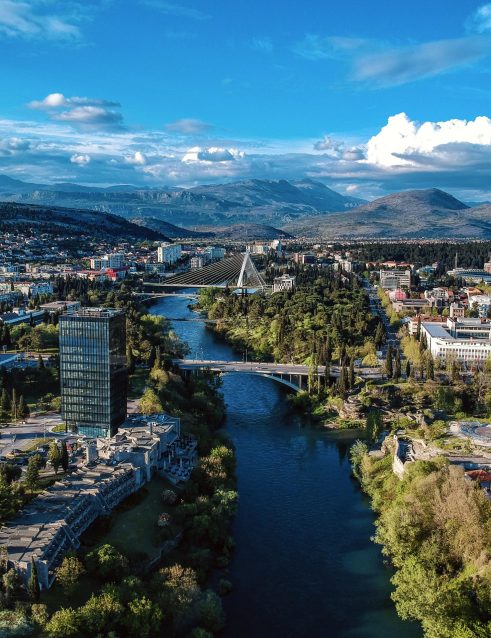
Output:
(329, 146)
(178, 10)
(13, 145)
(81, 160)
(453, 155)
(405, 143)
(189, 126)
(83, 111)
(212, 154)
(137, 159)
(30, 19)
(58, 100)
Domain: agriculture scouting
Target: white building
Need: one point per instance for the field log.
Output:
(259, 248)
(169, 253)
(111, 260)
(215, 253)
(285, 283)
(393, 279)
(481, 303)
(461, 340)
(34, 288)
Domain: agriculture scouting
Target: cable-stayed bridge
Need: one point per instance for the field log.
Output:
(238, 271)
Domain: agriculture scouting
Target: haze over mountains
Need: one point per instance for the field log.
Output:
(430, 213)
(260, 201)
(264, 209)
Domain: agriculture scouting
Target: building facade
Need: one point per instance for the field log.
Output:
(393, 279)
(169, 253)
(93, 373)
(284, 283)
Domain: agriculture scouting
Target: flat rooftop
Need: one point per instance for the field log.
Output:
(99, 313)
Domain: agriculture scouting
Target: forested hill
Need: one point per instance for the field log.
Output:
(32, 220)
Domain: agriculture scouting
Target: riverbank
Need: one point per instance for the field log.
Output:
(436, 529)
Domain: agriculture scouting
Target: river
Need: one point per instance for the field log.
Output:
(304, 565)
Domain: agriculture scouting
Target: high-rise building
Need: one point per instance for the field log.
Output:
(169, 253)
(93, 373)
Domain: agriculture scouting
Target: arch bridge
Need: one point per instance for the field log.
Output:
(294, 376)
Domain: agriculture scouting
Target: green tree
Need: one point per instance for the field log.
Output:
(358, 452)
(14, 406)
(397, 366)
(379, 336)
(351, 373)
(68, 574)
(64, 459)
(107, 562)
(5, 403)
(211, 612)
(143, 618)
(22, 409)
(430, 367)
(31, 478)
(388, 362)
(64, 623)
(101, 613)
(33, 584)
(54, 456)
(12, 583)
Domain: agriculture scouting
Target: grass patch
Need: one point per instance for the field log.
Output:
(61, 427)
(132, 527)
(138, 382)
(37, 444)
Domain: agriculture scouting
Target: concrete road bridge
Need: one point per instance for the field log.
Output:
(294, 376)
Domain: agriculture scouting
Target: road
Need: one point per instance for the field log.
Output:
(20, 436)
(378, 310)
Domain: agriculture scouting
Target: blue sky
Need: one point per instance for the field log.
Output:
(368, 97)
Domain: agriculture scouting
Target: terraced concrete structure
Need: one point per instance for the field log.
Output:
(53, 522)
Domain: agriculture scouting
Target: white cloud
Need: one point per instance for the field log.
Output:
(29, 19)
(81, 160)
(405, 143)
(178, 10)
(83, 111)
(212, 154)
(263, 45)
(189, 126)
(137, 159)
(329, 146)
(401, 65)
(58, 100)
(480, 20)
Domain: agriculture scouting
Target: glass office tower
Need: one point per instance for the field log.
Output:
(93, 373)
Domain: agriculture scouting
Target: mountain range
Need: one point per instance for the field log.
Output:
(261, 209)
(269, 202)
(431, 213)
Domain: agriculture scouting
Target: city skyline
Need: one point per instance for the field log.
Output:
(368, 99)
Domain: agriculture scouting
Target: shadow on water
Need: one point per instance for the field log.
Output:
(304, 564)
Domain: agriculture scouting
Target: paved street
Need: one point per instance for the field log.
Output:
(378, 310)
(20, 436)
